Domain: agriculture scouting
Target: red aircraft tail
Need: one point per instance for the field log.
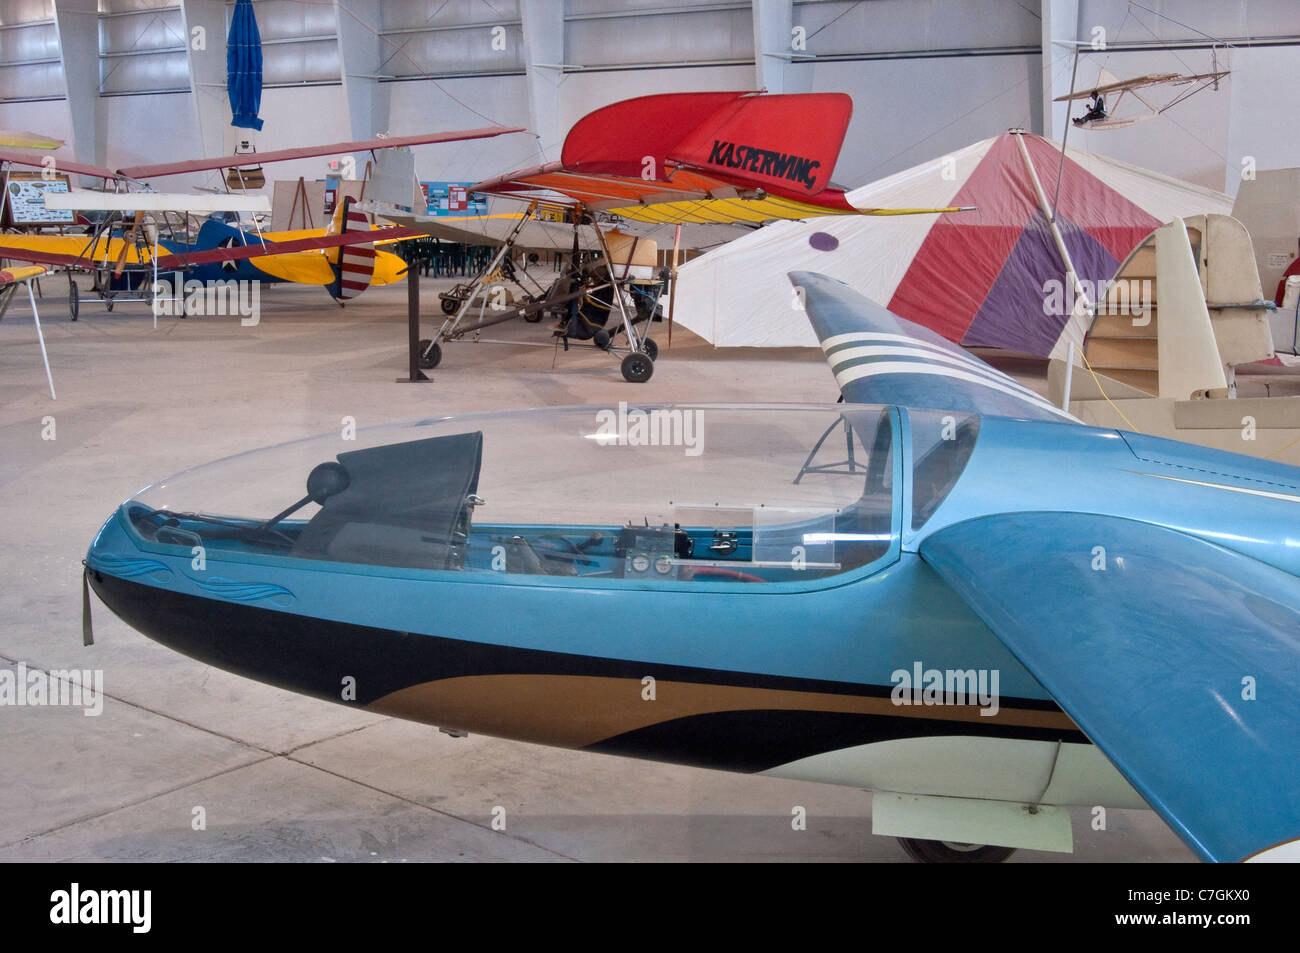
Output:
(787, 144)
(356, 263)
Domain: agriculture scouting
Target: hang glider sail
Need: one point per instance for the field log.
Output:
(701, 158)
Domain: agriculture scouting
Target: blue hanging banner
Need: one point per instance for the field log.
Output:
(244, 67)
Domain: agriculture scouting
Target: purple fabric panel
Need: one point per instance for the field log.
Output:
(1021, 310)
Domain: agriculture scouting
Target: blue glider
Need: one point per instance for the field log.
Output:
(945, 590)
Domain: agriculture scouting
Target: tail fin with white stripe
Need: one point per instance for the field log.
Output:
(879, 358)
(354, 266)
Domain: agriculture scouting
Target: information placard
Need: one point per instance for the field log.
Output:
(25, 199)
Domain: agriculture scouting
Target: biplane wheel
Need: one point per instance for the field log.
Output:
(601, 339)
(951, 852)
(430, 354)
(651, 348)
(637, 368)
(450, 306)
(74, 299)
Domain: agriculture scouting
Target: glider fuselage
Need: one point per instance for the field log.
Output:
(874, 674)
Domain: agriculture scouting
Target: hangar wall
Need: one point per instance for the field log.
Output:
(927, 76)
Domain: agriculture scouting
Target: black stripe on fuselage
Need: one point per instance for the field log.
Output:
(313, 656)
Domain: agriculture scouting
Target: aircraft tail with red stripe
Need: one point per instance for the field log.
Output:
(354, 265)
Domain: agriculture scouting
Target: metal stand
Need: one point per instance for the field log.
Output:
(847, 465)
(417, 376)
(36, 317)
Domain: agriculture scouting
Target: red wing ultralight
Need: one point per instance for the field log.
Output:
(699, 157)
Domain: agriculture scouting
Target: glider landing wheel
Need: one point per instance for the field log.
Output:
(637, 368)
(951, 852)
(430, 354)
(650, 348)
(74, 299)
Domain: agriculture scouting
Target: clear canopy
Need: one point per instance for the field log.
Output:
(673, 493)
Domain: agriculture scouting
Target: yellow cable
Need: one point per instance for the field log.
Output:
(1097, 381)
(1270, 456)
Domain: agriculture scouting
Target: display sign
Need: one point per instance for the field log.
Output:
(25, 199)
(452, 198)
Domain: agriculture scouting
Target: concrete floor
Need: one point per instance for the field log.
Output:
(283, 777)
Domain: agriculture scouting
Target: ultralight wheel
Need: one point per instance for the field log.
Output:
(532, 317)
(108, 302)
(651, 348)
(430, 354)
(637, 368)
(74, 299)
(450, 306)
(601, 339)
(952, 852)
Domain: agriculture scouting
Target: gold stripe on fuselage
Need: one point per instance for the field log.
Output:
(574, 711)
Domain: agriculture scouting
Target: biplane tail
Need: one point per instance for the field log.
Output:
(354, 265)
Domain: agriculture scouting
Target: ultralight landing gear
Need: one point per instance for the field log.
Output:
(430, 354)
(637, 367)
(952, 852)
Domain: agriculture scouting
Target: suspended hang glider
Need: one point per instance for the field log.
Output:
(144, 234)
(1112, 91)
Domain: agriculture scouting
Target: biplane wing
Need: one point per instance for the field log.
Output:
(335, 148)
(257, 249)
(74, 251)
(162, 169)
(706, 158)
(67, 251)
(25, 273)
(60, 165)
